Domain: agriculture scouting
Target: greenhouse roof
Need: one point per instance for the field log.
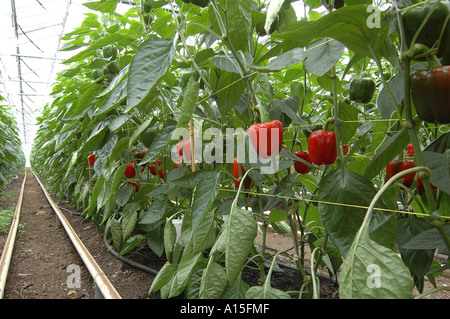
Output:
(29, 57)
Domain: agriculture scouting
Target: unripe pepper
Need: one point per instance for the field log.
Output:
(322, 147)
(430, 91)
(299, 166)
(413, 16)
(261, 137)
(362, 90)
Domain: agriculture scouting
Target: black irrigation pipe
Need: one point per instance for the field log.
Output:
(128, 261)
(155, 272)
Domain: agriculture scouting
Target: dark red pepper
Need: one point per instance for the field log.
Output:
(130, 171)
(153, 169)
(136, 186)
(261, 137)
(397, 166)
(300, 167)
(421, 188)
(248, 182)
(91, 160)
(322, 147)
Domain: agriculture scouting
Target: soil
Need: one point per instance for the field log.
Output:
(44, 257)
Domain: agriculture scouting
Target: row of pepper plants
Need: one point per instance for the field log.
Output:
(362, 174)
(12, 157)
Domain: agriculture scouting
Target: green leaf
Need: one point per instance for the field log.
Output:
(205, 193)
(104, 6)
(94, 141)
(351, 194)
(184, 114)
(130, 243)
(187, 263)
(160, 142)
(165, 274)
(277, 215)
(214, 281)
(348, 25)
(349, 114)
(116, 233)
(272, 14)
(322, 55)
(92, 49)
(384, 102)
(429, 239)
(110, 193)
(129, 219)
(439, 164)
(139, 131)
(417, 260)
(98, 187)
(236, 240)
(229, 87)
(151, 61)
(372, 271)
(394, 146)
(240, 25)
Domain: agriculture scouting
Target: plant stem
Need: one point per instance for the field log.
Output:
(409, 123)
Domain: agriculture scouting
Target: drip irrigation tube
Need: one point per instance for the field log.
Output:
(128, 261)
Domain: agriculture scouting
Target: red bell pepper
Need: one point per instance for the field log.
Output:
(322, 147)
(299, 166)
(396, 166)
(266, 138)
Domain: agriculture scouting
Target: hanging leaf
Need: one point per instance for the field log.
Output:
(322, 55)
(349, 26)
(371, 271)
(151, 61)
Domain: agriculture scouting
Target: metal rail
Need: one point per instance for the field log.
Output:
(5, 259)
(101, 280)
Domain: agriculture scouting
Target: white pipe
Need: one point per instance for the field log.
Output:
(9, 246)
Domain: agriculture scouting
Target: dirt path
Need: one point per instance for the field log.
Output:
(45, 265)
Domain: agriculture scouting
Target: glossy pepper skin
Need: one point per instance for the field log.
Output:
(362, 90)
(299, 166)
(410, 150)
(397, 166)
(322, 147)
(430, 91)
(130, 171)
(248, 182)
(412, 18)
(152, 169)
(261, 135)
(91, 160)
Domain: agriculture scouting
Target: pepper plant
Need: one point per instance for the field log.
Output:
(184, 92)
(12, 157)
